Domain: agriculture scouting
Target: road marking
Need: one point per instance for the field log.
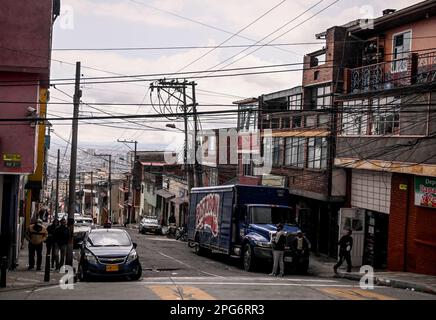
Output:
(180, 293)
(189, 266)
(264, 284)
(355, 294)
(243, 278)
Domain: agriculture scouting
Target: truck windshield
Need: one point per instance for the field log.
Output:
(271, 215)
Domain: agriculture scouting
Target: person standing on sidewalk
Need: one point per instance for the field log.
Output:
(278, 251)
(51, 243)
(61, 237)
(36, 234)
(345, 245)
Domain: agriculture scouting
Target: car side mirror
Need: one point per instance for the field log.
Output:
(135, 245)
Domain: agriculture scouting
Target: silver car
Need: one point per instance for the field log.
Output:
(150, 224)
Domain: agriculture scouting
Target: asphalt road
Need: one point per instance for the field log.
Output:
(171, 271)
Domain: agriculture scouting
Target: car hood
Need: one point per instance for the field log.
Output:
(110, 251)
(262, 231)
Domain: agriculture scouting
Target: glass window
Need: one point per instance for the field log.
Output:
(355, 117)
(276, 151)
(294, 152)
(317, 153)
(108, 239)
(321, 97)
(401, 47)
(294, 102)
(386, 116)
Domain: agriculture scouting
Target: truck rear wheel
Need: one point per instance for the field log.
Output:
(248, 258)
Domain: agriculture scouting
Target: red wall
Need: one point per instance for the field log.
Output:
(25, 35)
(413, 230)
(17, 138)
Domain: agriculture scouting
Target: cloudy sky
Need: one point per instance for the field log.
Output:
(90, 24)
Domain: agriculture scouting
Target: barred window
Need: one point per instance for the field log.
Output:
(317, 153)
(386, 116)
(355, 117)
(294, 152)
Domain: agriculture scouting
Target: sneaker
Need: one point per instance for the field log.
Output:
(272, 274)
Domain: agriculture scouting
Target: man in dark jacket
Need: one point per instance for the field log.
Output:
(51, 244)
(345, 245)
(278, 251)
(61, 237)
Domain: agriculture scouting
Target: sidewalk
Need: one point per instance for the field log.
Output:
(323, 267)
(21, 278)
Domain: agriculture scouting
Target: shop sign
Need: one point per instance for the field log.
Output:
(425, 192)
(12, 160)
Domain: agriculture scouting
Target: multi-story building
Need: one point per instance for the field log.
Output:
(386, 137)
(24, 59)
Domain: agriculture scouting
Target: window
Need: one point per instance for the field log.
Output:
(294, 102)
(321, 97)
(401, 47)
(317, 153)
(355, 117)
(294, 152)
(316, 75)
(276, 151)
(386, 116)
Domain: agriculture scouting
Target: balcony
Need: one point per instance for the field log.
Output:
(296, 120)
(417, 68)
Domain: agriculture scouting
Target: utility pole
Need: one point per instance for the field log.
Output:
(73, 165)
(132, 187)
(92, 196)
(197, 176)
(57, 186)
(109, 182)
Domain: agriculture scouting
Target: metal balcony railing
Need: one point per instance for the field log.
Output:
(416, 68)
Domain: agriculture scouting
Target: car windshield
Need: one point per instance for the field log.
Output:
(271, 215)
(83, 221)
(109, 239)
(150, 220)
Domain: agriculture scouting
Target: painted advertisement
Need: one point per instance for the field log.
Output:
(425, 192)
(207, 214)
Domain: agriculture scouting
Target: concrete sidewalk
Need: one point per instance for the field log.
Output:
(323, 267)
(21, 278)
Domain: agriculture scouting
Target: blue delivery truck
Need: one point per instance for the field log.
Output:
(240, 220)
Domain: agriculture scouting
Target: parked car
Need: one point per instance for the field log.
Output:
(150, 224)
(108, 253)
(82, 225)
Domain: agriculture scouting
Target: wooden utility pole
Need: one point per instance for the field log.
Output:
(73, 165)
(57, 187)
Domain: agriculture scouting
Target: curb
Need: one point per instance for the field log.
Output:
(392, 283)
(36, 286)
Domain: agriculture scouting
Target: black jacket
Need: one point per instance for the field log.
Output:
(61, 235)
(280, 242)
(345, 241)
(50, 230)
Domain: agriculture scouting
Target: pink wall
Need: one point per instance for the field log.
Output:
(17, 139)
(420, 30)
(25, 35)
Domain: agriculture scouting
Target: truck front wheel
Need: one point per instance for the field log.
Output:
(248, 258)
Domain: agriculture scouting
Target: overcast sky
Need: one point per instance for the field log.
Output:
(146, 23)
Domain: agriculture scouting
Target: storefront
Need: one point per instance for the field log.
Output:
(368, 217)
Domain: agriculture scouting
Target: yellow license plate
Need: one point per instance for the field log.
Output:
(112, 267)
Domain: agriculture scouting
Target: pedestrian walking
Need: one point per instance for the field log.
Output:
(345, 245)
(36, 234)
(51, 243)
(300, 249)
(61, 237)
(278, 251)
